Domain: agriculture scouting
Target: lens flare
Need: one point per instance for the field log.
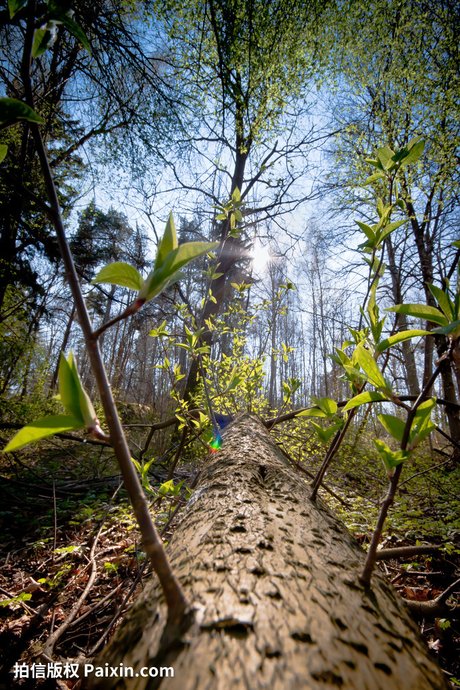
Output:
(216, 443)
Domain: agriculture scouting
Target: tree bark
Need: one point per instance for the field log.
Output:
(273, 580)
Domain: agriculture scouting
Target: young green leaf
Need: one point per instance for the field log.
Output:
(368, 231)
(43, 38)
(14, 6)
(86, 406)
(363, 398)
(327, 405)
(312, 412)
(169, 271)
(12, 110)
(72, 394)
(374, 162)
(421, 311)
(68, 388)
(389, 228)
(76, 30)
(374, 178)
(414, 152)
(120, 273)
(364, 358)
(236, 195)
(386, 157)
(452, 330)
(325, 434)
(444, 302)
(167, 488)
(167, 244)
(391, 458)
(3, 152)
(422, 426)
(393, 425)
(41, 428)
(399, 338)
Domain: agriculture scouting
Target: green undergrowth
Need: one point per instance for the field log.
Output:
(427, 505)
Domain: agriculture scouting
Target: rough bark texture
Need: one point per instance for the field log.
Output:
(273, 579)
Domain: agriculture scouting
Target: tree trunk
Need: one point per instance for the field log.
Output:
(273, 579)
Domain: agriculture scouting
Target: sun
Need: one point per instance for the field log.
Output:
(261, 257)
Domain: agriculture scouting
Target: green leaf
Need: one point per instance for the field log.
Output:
(393, 425)
(76, 30)
(374, 162)
(364, 358)
(385, 156)
(327, 405)
(120, 273)
(452, 329)
(390, 227)
(312, 412)
(420, 311)
(12, 110)
(399, 338)
(42, 39)
(374, 178)
(68, 388)
(444, 301)
(14, 6)
(24, 596)
(169, 271)
(363, 398)
(422, 426)
(86, 406)
(423, 413)
(391, 458)
(326, 434)
(72, 394)
(41, 428)
(168, 242)
(368, 231)
(414, 152)
(236, 195)
(167, 488)
(3, 151)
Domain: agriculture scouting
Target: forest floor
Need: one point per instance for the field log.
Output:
(72, 561)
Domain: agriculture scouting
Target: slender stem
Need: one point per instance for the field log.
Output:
(129, 311)
(369, 565)
(333, 448)
(174, 596)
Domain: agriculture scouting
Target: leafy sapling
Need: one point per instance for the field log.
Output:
(170, 258)
(77, 404)
(360, 367)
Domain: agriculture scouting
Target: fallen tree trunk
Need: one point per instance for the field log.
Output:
(273, 579)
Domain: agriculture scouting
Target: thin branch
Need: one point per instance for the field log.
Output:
(407, 551)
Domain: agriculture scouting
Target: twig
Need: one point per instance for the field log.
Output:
(50, 643)
(178, 453)
(54, 521)
(430, 469)
(435, 607)
(118, 612)
(310, 475)
(406, 551)
(96, 605)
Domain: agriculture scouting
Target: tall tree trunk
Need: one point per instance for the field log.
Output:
(424, 242)
(273, 580)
